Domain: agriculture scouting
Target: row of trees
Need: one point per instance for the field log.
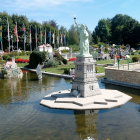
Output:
(38, 31)
(121, 29)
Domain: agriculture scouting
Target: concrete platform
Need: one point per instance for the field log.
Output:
(64, 100)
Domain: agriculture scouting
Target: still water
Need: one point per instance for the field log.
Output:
(23, 118)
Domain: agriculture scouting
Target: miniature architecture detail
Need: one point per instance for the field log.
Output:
(85, 93)
(85, 83)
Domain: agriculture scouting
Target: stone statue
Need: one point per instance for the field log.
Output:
(38, 71)
(84, 39)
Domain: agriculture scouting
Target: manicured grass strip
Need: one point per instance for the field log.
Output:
(23, 57)
(59, 69)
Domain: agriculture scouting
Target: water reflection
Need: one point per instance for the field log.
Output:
(22, 117)
(86, 123)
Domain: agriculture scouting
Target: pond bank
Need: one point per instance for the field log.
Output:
(60, 75)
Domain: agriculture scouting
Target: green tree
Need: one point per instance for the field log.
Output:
(102, 31)
(122, 27)
(73, 37)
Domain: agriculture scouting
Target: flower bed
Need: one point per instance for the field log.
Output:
(73, 59)
(20, 60)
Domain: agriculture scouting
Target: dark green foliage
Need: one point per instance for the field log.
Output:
(73, 36)
(121, 29)
(7, 57)
(67, 71)
(135, 59)
(103, 31)
(36, 58)
(65, 61)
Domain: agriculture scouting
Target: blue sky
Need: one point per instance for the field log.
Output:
(88, 12)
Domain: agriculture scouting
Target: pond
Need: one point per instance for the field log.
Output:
(23, 118)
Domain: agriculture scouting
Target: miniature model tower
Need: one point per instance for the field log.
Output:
(85, 83)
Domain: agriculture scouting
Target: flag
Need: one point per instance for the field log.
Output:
(57, 38)
(53, 38)
(0, 30)
(30, 40)
(40, 35)
(45, 37)
(49, 36)
(24, 33)
(64, 39)
(61, 39)
(16, 32)
(8, 30)
(36, 36)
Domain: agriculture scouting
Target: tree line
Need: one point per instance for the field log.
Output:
(121, 29)
(47, 32)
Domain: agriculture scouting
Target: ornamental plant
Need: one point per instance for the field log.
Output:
(36, 58)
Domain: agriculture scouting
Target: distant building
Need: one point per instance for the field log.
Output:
(47, 48)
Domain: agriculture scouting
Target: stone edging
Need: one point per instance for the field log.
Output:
(59, 75)
(119, 83)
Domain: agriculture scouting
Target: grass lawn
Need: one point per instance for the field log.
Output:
(23, 57)
(22, 64)
(59, 69)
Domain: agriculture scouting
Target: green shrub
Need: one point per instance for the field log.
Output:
(50, 63)
(65, 61)
(36, 58)
(135, 59)
(66, 70)
(7, 57)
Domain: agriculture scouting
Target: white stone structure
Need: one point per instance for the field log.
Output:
(12, 71)
(85, 93)
(85, 83)
(39, 72)
(47, 48)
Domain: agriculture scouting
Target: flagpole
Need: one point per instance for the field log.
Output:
(50, 37)
(36, 36)
(45, 36)
(17, 36)
(53, 37)
(30, 40)
(1, 35)
(1, 45)
(58, 39)
(8, 34)
(24, 35)
(12, 41)
(40, 35)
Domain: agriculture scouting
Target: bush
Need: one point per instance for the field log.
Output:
(36, 58)
(50, 63)
(67, 71)
(135, 59)
(65, 61)
(7, 57)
